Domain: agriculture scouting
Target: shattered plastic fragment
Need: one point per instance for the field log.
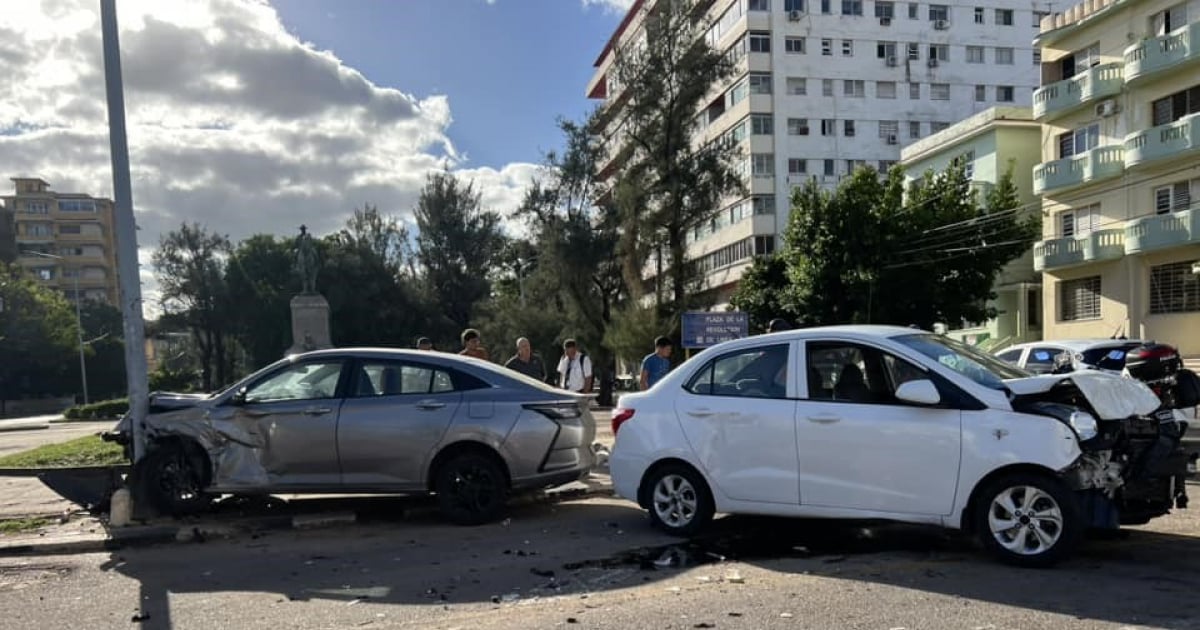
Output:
(733, 577)
(786, 615)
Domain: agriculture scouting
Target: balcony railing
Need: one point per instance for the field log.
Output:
(1163, 231)
(1164, 52)
(1164, 141)
(1094, 165)
(1092, 247)
(1091, 84)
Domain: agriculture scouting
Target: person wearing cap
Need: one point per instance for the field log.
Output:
(778, 325)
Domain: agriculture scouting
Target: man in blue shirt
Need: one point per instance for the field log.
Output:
(656, 364)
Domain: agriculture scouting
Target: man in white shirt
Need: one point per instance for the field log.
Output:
(574, 369)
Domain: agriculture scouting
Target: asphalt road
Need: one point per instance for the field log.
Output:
(594, 562)
(16, 441)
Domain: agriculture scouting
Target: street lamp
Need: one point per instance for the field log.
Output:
(78, 323)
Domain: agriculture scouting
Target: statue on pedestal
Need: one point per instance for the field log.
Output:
(310, 310)
(306, 262)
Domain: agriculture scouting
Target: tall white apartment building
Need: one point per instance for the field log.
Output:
(824, 86)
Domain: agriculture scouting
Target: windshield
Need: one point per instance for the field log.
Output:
(1108, 357)
(971, 363)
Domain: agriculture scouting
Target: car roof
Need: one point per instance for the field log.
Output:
(1077, 345)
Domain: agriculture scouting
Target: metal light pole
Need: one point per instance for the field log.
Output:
(78, 323)
(125, 231)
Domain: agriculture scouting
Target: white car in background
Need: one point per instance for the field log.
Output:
(890, 423)
(1038, 357)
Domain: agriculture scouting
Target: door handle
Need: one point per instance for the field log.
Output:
(430, 405)
(824, 419)
(699, 413)
(317, 411)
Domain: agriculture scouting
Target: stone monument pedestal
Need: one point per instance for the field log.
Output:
(310, 323)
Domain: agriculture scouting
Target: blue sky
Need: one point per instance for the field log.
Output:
(509, 68)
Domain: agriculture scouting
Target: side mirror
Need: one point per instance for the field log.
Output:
(922, 392)
(239, 398)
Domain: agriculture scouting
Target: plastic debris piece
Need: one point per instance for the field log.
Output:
(733, 577)
(786, 615)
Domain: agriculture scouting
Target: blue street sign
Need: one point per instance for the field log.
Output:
(702, 329)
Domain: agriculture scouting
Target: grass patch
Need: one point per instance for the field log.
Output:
(21, 525)
(85, 451)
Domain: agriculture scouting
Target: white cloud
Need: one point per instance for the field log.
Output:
(613, 6)
(233, 122)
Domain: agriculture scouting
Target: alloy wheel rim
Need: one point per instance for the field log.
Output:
(472, 489)
(675, 500)
(1025, 520)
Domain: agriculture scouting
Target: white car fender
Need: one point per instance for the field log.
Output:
(993, 440)
(639, 445)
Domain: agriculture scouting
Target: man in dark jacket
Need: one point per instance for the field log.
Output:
(526, 362)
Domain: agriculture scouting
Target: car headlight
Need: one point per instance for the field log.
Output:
(1084, 424)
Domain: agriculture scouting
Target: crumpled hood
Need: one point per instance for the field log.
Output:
(1113, 397)
(161, 401)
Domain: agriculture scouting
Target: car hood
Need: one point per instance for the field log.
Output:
(169, 401)
(1112, 397)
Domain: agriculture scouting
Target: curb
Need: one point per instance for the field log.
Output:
(23, 425)
(147, 535)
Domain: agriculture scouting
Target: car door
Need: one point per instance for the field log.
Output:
(294, 412)
(741, 424)
(862, 449)
(396, 413)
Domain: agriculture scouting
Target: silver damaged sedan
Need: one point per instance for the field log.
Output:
(366, 421)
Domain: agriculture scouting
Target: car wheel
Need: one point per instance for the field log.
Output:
(471, 489)
(172, 481)
(1028, 520)
(679, 499)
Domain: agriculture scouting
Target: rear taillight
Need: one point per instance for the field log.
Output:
(619, 417)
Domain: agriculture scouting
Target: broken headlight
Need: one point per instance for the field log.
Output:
(1084, 424)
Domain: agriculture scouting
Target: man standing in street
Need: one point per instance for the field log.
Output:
(657, 363)
(526, 362)
(471, 345)
(574, 369)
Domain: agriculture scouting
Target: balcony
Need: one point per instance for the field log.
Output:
(1096, 246)
(1061, 97)
(1164, 52)
(1164, 141)
(1162, 231)
(1091, 166)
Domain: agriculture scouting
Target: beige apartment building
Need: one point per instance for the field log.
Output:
(1120, 169)
(65, 239)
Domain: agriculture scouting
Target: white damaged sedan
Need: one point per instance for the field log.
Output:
(871, 422)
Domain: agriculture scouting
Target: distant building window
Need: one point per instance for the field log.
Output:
(847, 48)
(760, 42)
(980, 93)
(1172, 198)
(885, 89)
(1004, 56)
(1077, 141)
(1004, 94)
(979, 15)
(762, 125)
(914, 51)
(798, 126)
(941, 52)
(914, 91)
(914, 10)
(797, 166)
(760, 82)
(797, 86)
(827, 47)
(829, 168)
(938, 125)
(828, 127)
(76, 205)
(826, 87)
(764, 204)
(38, 229)
(849, 128)
(794, 45)
(914, 129)
(793, 5)
(852, 7)
(760, 5)
(70, 229)
(1171, 108)
(939, 91)
(855, 88)
(37, 207)
(889, 128)
(1004, 17)
(885, 9)
(974, 54)
(1037, 18)
(939, 12)
(1079, 299)
(1174, 288)
(762, 164)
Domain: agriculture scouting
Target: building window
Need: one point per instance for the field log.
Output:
(939, 12)
(739, 92)
(1079, 299)
(941, 52)
(762, 125)
(937, 126)
(760, 42)
(1037, 56)
(1177, 196)
(1079, 222)
(37, 207)
(827, 47)
(1080, 60)
(1004, 56)
(70, 229)
(852, 7)
(764, 245)
(829, 168)
(979, 15)
(939, 91)
(889, 129)
(885, 166)
(1078, 141)
(763, 204)
(759, 5)
(980, 93)
(914, 51)
(914, 91)
(974, 54)
(848, 128)
(828, 127)
(1166, 21)
(1174, 288)
(794, 45)
(826, 87)
(1004, 93)
(762, 164)
(854, 88)
(1004, 17)
(826, 6)
(44, 273)
(885, 9)
(798, 126)
(968, 162)
(76, 205)
(793, 5)
(847, 48)
(914, 11)
(1171, 108)
(914, 129)
(1037, 18)
(797, 86)
(40, 229)
(760, 82)
(885, 89)
(797, 166)
(885, 50)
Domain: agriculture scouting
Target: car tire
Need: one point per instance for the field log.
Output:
(679, 501)
(172, 481)
(471, 488)
(1028, 520)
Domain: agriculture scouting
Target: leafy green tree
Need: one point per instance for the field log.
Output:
(260, 271)
(190, 265)
(456, 246)
(761, 292)
(104, 339)
(37, 337)
(668, 185)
